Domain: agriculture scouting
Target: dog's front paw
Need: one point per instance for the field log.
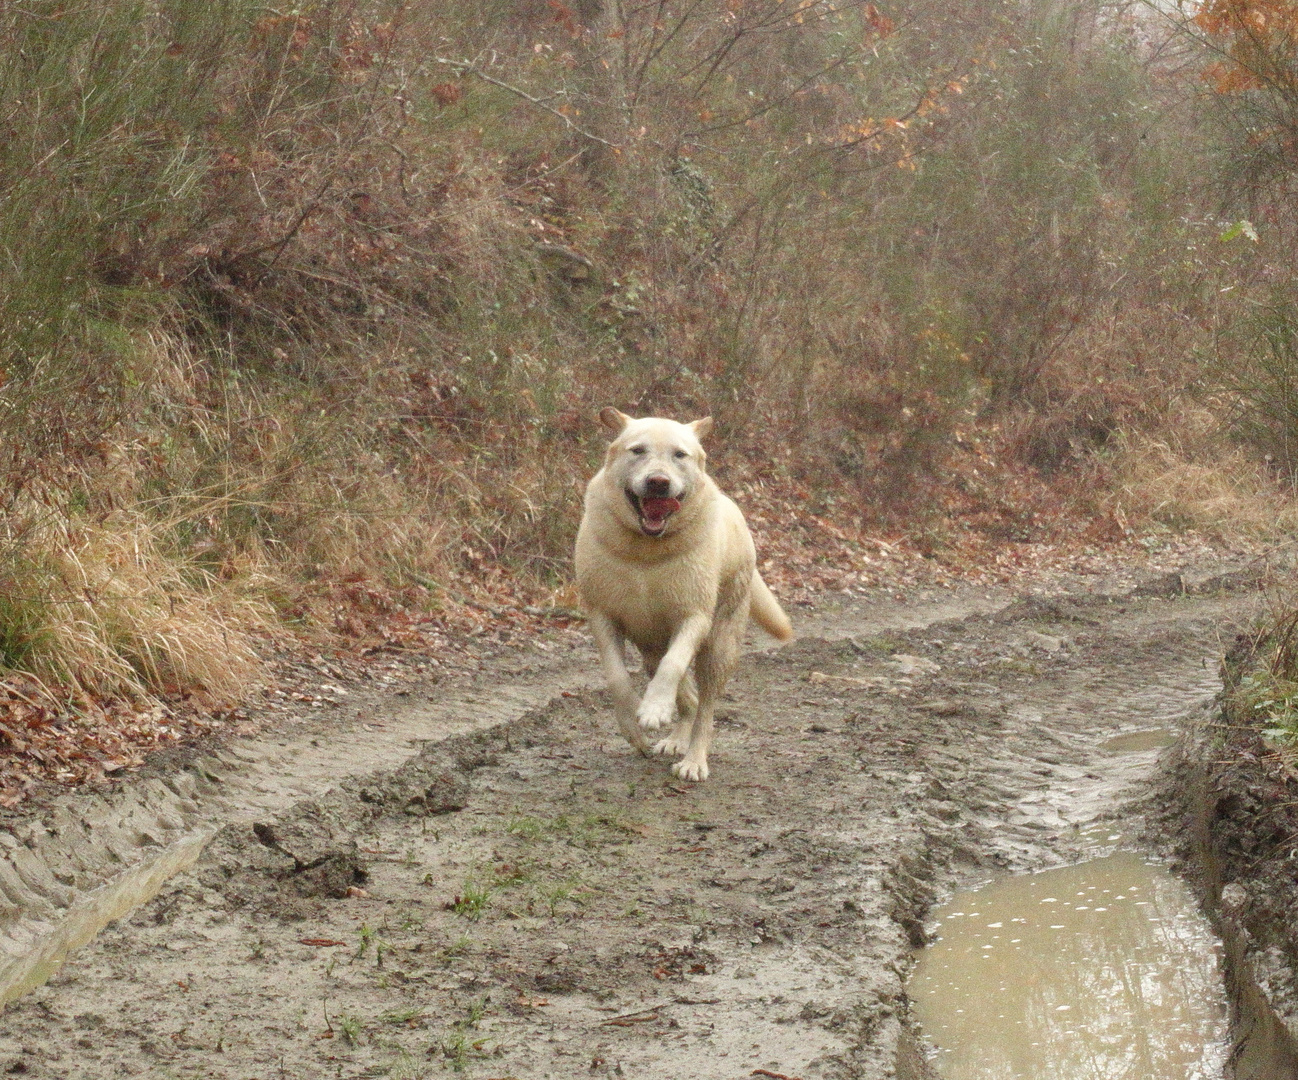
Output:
(671, 745)
(691, 770)
(653, 715)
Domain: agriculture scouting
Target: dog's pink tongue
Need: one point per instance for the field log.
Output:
(657, 510)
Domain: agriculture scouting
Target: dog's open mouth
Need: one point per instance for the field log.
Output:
(653, 511)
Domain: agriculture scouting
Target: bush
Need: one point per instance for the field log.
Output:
(311, 310)
(1258, 365)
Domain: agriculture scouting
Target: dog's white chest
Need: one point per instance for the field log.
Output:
(650, 602)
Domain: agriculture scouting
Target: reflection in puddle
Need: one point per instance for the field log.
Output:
(1103, 971)
(1133, 742)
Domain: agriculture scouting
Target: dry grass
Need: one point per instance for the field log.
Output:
(317, 345)
(96, 605)
(1189, 475)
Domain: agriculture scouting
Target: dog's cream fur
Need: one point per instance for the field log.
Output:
(681, 589)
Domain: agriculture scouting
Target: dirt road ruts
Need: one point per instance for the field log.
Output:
(534, 900)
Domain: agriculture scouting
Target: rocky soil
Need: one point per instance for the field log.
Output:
(527, 898)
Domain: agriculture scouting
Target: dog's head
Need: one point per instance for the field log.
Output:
(657, 465)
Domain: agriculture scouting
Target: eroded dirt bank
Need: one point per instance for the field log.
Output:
(1226, 808)
(532, 900)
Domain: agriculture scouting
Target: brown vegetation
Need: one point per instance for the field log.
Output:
(303, 317)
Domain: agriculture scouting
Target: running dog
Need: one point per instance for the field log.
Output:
(665, 560)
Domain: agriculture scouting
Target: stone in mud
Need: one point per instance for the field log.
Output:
(941, 707)
(326, 861)
(1233, 897)
(915, 665)
(1045, 642)
(420, 787)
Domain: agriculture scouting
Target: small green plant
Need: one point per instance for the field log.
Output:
(1274, 702)
(696, 914)
(473, 898)
(350, 1026)
(525, 828)
(457, 1045)
(367, 936)
(555, 894)
(410, 1017)
(407, 1067)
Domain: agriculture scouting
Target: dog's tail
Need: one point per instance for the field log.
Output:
(767, 611)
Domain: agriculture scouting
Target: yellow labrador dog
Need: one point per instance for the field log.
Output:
(666, 560)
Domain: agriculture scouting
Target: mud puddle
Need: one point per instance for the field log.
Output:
(1105, 969)
(1135, 742)
(533, 900)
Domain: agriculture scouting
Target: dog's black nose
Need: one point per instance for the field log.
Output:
(658, 487)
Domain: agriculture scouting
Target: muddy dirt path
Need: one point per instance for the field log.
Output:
(528, 899)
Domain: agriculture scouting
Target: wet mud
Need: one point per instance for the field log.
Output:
(531, 899)
(1226, 808)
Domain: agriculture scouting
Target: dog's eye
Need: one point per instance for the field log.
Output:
(680, 454)
(637, 450)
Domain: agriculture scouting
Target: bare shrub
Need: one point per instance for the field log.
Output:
(1257, 365)
(1190, 475)
(312, 311)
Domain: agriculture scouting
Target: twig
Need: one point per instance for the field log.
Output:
(473, 69)
(644, 1016)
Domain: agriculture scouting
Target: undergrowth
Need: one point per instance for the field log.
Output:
(1261, 677)
(304, 316)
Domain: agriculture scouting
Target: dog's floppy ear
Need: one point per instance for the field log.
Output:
(613, 420)
(701, 427)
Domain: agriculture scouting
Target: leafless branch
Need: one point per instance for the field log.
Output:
(472, 69)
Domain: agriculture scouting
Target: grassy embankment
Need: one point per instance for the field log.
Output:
(303, 317)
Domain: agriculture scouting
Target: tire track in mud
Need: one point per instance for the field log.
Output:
(88, 857)
(583, 913)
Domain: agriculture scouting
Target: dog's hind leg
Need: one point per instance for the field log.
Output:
(687, 703)
(687, 697)
(612, 654)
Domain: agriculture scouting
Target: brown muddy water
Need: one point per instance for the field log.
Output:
(1134, 742)
(1101, 971)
